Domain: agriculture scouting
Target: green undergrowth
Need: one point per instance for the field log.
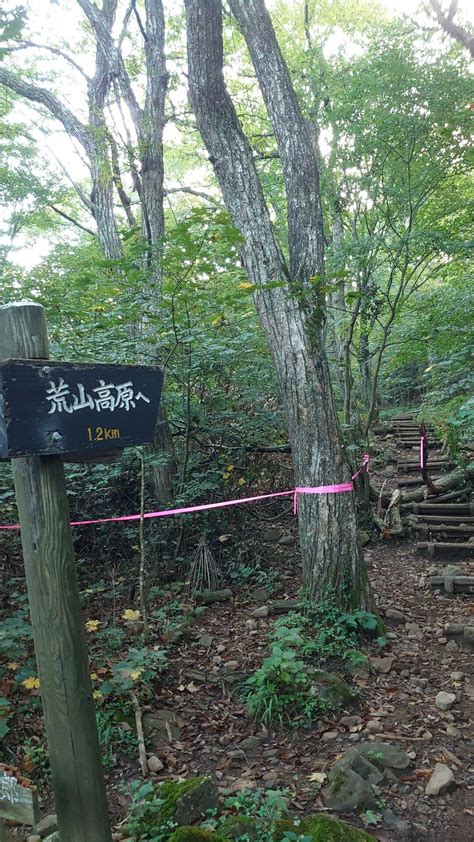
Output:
(319, 829)
(287, 686)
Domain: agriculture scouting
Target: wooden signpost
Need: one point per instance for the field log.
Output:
(48, 410)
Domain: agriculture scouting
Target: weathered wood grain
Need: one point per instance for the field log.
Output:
(53, 596)
(17, 802)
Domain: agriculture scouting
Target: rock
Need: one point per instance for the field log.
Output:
(442, 641)
(451, 570)
(413, 631)
(391, 635)
(231, 665)
(354, 761)
(451, 731)
(434, 571)
(154, 764)
(395, 614)
(441, 781)
(284, 606)
(271, 535)
(34, 838)
(328, 736)
(261, 612)
(260, 595)
(271, 776)
(418, 682)
(451, 646)
(250, 744)
(53, 838)
(185, 802)
(389, 471)
(47, 826)
(286, 540)
(330, 687)
(399, 824)
(251, 625)
(348, 791)
(161, 724)
(468, 638)
(382, 665)
(354, 738)
(456, 675)
(384, 754)
(205, 640)
(374, 727)
(350, 721)
(445, 701)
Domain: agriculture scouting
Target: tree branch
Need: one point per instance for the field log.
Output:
(455, 30)
(74, 221)
(40, 95)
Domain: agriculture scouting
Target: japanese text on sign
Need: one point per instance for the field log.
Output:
(104, 397)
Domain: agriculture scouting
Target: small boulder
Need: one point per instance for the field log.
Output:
(34, 838)
(445, 701)
(356, 763)
(347, 791)
(395, 614)
(382, 665)
(260, 613)
(154, 764)
(384, 754)
(185, 802)
(441, 781)
(271, 535)
(250, 744)
(413, 631)
(205, 640)
(330, 687)
(161, 725)
(47, 826)
(374, 727)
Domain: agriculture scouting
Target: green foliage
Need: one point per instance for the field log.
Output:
(138, 669)
(283, 687)
(5, 714)
(143, 821)
(319, 828)
(196, 834)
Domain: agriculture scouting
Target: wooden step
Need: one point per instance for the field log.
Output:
(457, 520)
(439, 548)
(441, 508)
(464, 532)
(453, 584)
(402, 483)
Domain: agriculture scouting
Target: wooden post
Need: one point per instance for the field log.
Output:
(53, 594)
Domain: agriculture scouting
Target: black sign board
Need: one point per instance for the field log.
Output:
(48, 407)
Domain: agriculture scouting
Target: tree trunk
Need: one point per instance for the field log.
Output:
(290, 308)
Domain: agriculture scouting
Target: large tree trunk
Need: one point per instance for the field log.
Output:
(288, 303)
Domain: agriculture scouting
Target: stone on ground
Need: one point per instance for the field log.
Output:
(441, 781)
(384, 754)
(347, 791)
(47, 826)
(445, 701)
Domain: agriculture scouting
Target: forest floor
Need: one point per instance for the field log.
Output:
(196, 723)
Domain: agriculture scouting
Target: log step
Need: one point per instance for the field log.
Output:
(452, 531)
(454, 519)
(453, 584)
(442, 508)
(409, 468)
(434, 548)
(401, 483)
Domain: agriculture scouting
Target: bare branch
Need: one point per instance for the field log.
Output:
(40, 95)
(56, 52)
(71, 219)
(455, 30)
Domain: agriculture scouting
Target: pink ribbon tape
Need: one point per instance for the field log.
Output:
(422, 452)
(319, 489)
